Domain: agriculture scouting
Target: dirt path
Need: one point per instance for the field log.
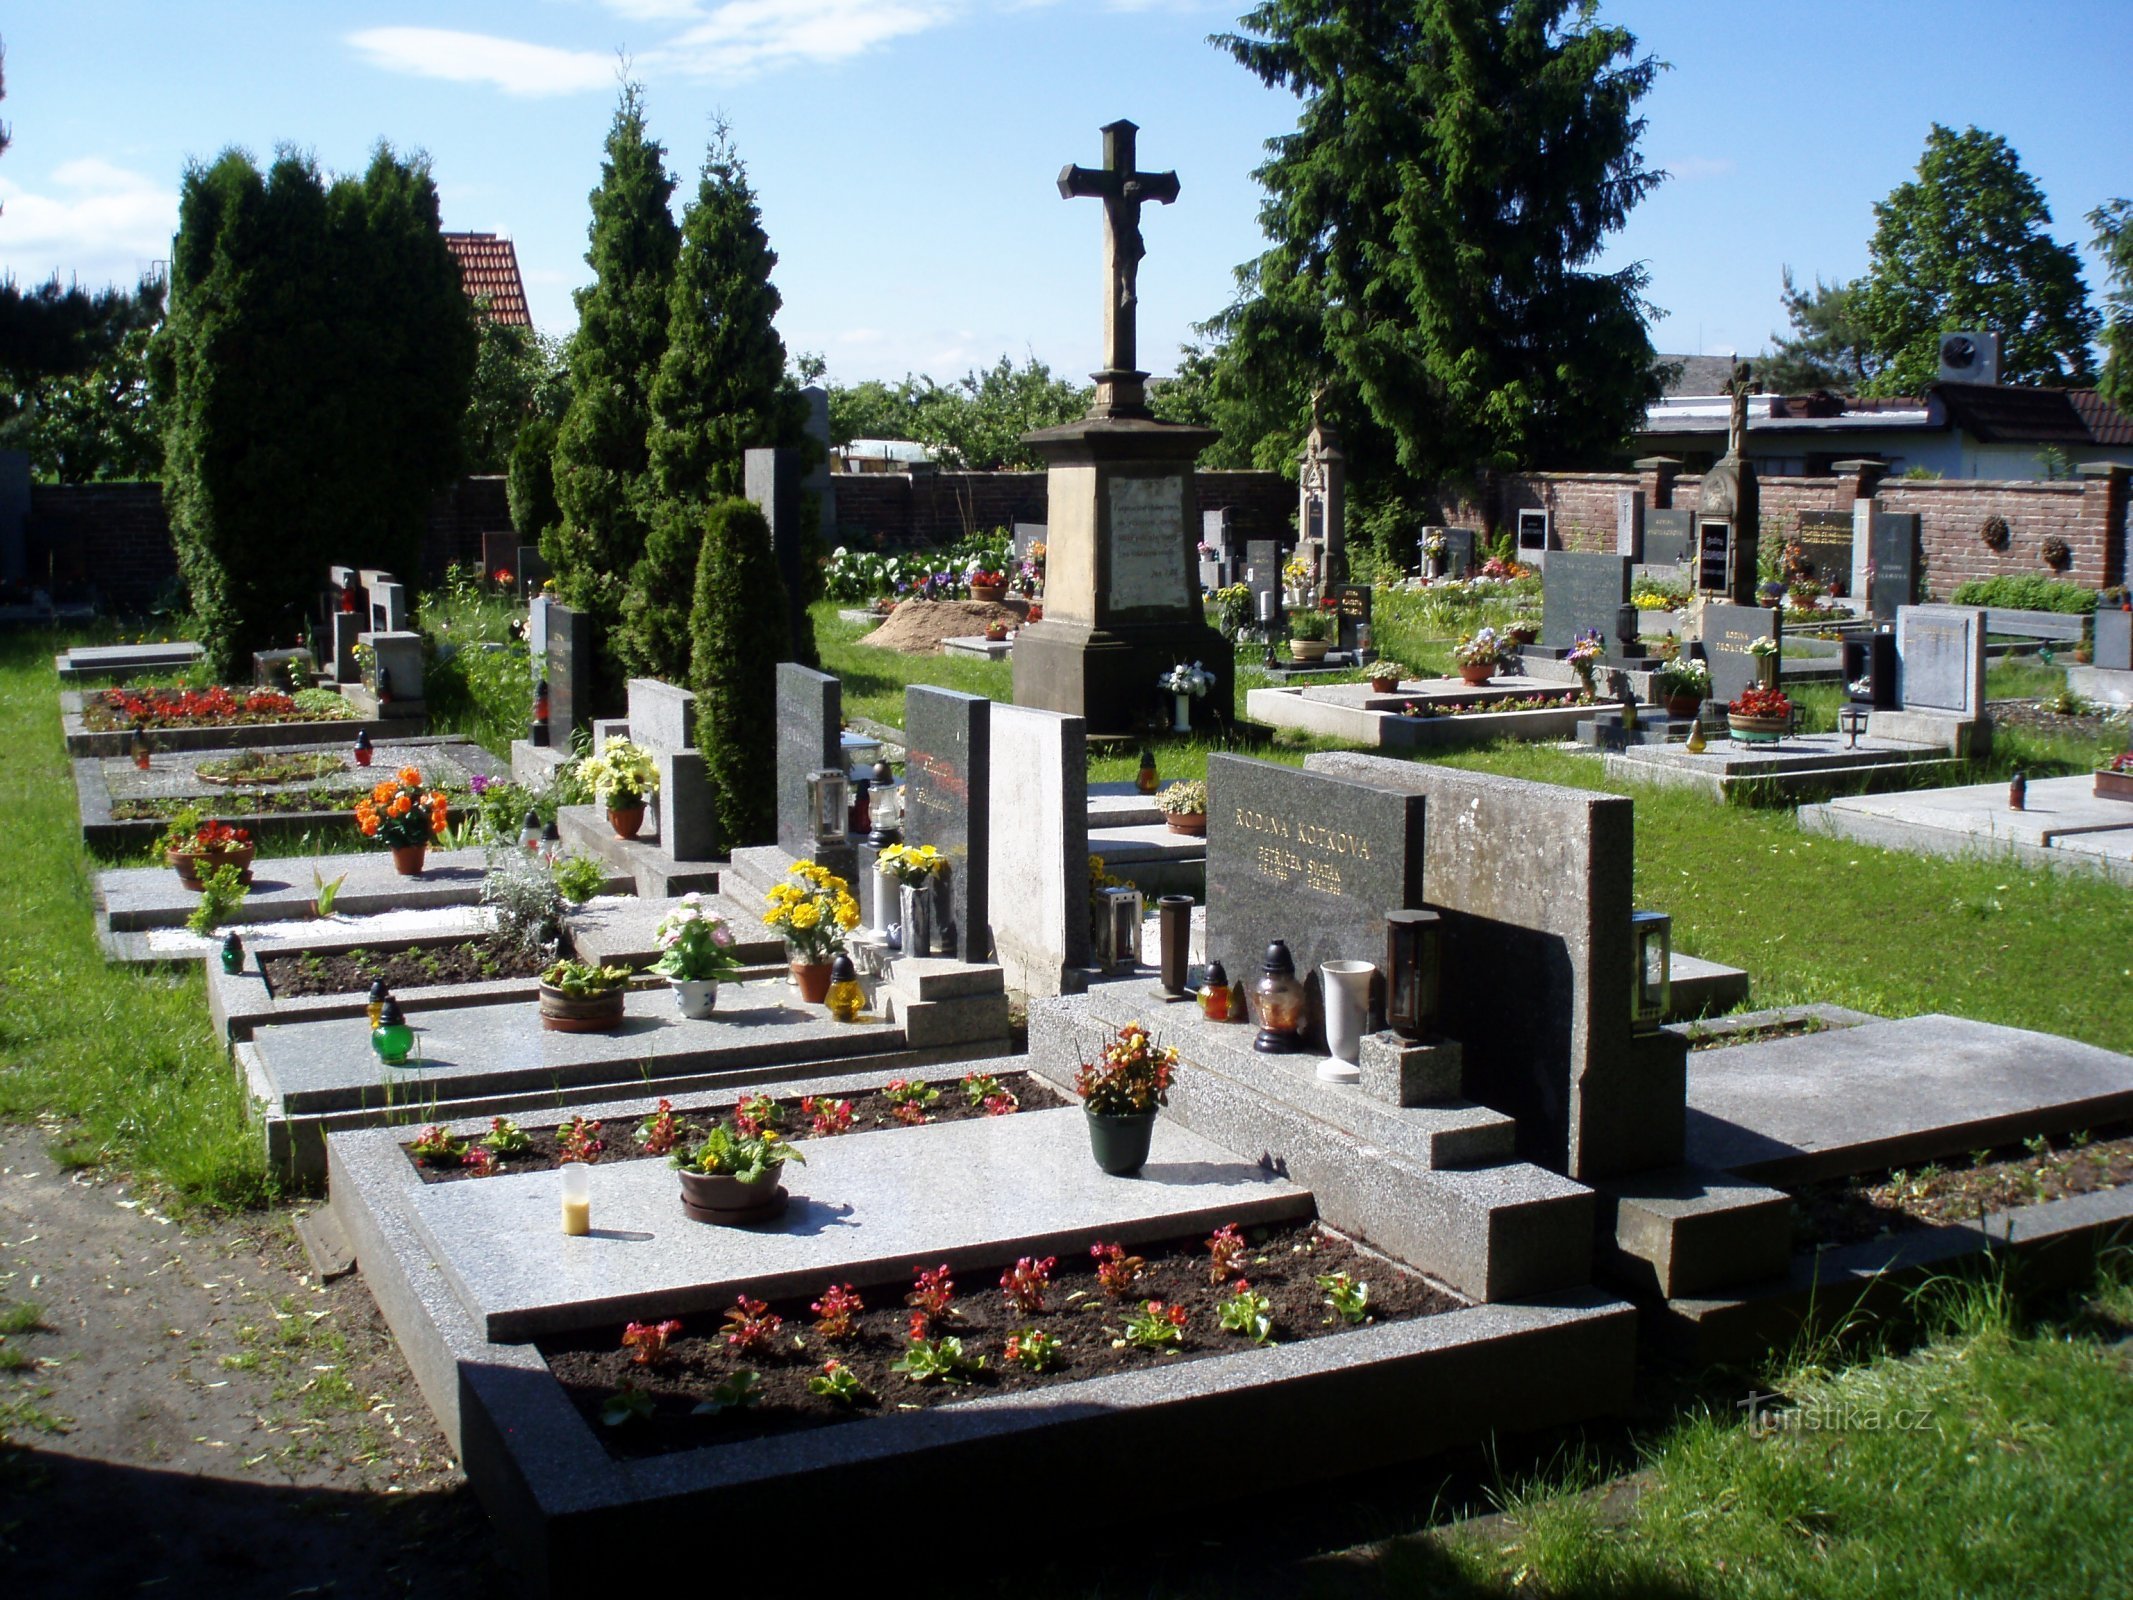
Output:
(192, 1412)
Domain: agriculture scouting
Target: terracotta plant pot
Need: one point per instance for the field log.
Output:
(996, 634)
(2114, 785)
(727, 1202)
(1683, 705)
(1522, 634)
(1384, 685)
(813, 977)
(1187, 822)
(192, 865)
(591, 1013)
(989, 593)
(1120, 1144)
(408, 859)
(1758, 730)
(1307, 649)
(626, 820)
(1476, 673)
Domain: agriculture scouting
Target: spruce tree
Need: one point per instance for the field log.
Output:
(600, 456)
(739, 635)
(1455, 171)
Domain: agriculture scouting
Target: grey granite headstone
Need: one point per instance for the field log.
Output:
(1307, 858)
(948, 804)
(1727, 633)
(1037, 888)
(2114, 638)
(1459, 552)
(820, 481)
(810, 737)
(571, 666)
(663, 719)
(1940, 659)
(342, 631)
(1262, 560)
(342, 578)
(1218, 531)
(661, 716)
(1669, 535)
(1213, 575)
(1351, 610)
(772, 478)
(388, 607)
(1892, 562)
(1629, 524)
(396, 664)
(1581, 589)
(1027, 534)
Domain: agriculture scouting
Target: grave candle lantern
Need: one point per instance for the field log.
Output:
(539, 731)
(1118, 929)
(232, 953)
(862, 820)
(1279, 998)
(529, 832)
(1269, 614)
(1214, 994)
(1851, 718)
(139, 747)
(577, 1199)
(363, 751)
(887, 805)
(1145, 779)
(1174, 914)
(1414, 966)
(551, 844)
(379, 994)
(392, 1038)
(828, 804)
(846, 999)
(1651, 943)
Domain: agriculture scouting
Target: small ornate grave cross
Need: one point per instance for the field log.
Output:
(1122, 190)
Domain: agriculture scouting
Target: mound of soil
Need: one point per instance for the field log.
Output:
(421, 966)
(917, 627)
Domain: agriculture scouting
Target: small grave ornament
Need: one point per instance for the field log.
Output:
(1215, 994)
(363, 751)
(529, 833)
(1651, 943)
(232, 953)
(379, 994)
(1278, 997)
(1414, 963)
(392, 1038)
(828, 804)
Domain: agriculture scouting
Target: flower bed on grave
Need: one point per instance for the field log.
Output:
(1426, 709)
(482, 960)
(263, 767)
(1008, 1327)
(259, 803)
(905, 1103)
(1851, 1210)
(117, 710)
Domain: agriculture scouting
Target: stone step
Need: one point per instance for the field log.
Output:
(657, 875)
(1688, 1231)
(624, 932)
(1699, 988)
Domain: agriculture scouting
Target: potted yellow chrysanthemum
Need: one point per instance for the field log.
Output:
(812, 908)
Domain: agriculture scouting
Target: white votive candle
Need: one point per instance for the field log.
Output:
(577, 1198)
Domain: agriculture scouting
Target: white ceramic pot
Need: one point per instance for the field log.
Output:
(1182, 722)
(1347, 988)
(697, 998)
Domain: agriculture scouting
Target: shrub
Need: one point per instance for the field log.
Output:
(654, 640)
(2026, 591)
(739, 637)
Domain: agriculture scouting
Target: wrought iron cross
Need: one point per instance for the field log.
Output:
(1122, 190)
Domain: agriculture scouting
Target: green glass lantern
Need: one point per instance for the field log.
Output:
(392, 1038)
(232, 953)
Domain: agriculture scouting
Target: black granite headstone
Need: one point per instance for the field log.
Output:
(1581, 589)
(1727, 633)
(948, 802)
(772, 481)
(1872, 661)
(1826, 545)
(810, 737)
(1307, 858)
(1892, 563)
(1351, 606)
(2114, 638)
(1532, 531)
(571, 669)
(1669, 535)
(532, 570)
(1459, 546)
(1713, 556)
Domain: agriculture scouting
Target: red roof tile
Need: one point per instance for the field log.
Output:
(488, 269)
(2107, 424)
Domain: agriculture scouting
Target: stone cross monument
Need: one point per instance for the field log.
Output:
(1321, 482)
(1729, 508)
(1123, 190)
(1121, 584)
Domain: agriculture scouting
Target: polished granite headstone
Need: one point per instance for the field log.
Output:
(772, 481)
(948, 804)
(1581, 589)
(1351, 608)
(1459, 552)
(1892, 571)
(1940, 659)
(1314, 860)
(810, 726)
(1728, 631)
(1669, 536)
(570, 673)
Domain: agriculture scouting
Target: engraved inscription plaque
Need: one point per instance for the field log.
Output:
(1148, 541)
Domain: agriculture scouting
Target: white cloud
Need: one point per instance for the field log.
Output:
(743, 37)
(95, 223)
(510, 64)
(1691, 169)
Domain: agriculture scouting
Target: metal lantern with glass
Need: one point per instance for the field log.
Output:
(1414, 965)
(1651, 944)
(829, 799)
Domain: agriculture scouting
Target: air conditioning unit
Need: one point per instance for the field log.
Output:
(1969, 358)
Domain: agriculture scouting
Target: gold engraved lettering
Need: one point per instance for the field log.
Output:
(1323, 877)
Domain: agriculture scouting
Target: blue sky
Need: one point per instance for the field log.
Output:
(904, 150)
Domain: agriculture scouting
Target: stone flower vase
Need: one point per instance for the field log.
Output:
(1120, 1143)
(1307, 649)
(695, 998)
(924, 908)
(408, 859)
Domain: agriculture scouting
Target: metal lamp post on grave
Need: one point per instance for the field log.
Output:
(1121, 587)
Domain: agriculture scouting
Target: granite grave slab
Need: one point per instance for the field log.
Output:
(948, 804)
(1582, 589)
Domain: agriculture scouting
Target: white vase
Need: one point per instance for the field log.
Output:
(696, 998)
(1347, 988)
(1183, 720)
(885, 896)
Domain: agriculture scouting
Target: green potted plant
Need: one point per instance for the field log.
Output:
(1683, 683)
(813, 908)
(1477, 654)
(195, 846)
(696, 953)
(620, 776)
(579, 997)
(1385, 677)
(731, 1177)
(1184, 807)
(989, 587)
(400, 814)
(1308, 633)
(1120, 1095)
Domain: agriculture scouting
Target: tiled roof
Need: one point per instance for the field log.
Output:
(488, 270)
(2107, 424)
(2003, 414)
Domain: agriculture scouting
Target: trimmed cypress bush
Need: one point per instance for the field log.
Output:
(655, 641)
(739, 636)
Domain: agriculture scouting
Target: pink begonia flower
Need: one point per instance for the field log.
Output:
(722, 934)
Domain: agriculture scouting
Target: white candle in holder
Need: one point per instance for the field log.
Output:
(577, 1198)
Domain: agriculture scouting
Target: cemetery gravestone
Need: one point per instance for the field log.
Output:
(1826, 545)
(388, 607)
(1262, 564)
(2114, 638)
(396, 672)
(1728, 631)
(948, 804)
(532, 570)
(663, 719)
(1940, 654)
(570, 673)
(498, 553)
(1581, 589)
(1714, 556)
(772, 479)
(1313, 860)
(1038, 891)
(1892, 562)
(1025, 535)
(1668, 536)
(810, 737)
(343, 629)
(1351, 610)
(1459, 552)
(1532, 536)
(1629, 524)
(819, 481)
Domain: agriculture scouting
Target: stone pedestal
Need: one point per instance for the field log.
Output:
(1121, 598)
(1401, 1073)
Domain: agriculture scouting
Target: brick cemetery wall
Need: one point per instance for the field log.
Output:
(909, 511)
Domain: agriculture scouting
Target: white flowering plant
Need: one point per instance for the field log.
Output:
(1194, 680)
(695, 945)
